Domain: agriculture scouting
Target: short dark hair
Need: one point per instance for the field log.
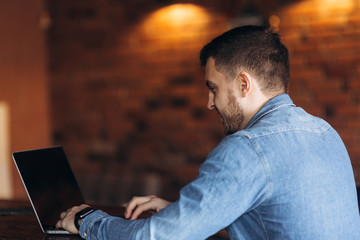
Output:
(254, 49)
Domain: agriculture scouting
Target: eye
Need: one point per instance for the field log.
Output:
(211, 86)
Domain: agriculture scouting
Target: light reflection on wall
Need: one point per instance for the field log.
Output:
(274, 21)
(336, 3)
(178, 22)
(5, 161)
(337, 10)
(333, 8)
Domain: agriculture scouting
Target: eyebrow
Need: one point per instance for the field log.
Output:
(210, 84)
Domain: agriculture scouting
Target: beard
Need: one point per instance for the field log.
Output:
(232, 116)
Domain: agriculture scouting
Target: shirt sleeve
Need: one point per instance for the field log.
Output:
(100, 225)
(231, 182)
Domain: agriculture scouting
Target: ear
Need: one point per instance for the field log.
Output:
(244, 83)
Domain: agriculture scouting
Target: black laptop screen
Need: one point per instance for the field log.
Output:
(49, 181)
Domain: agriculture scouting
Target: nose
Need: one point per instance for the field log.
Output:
(210, 104)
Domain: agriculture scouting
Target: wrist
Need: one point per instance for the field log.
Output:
(79, 216)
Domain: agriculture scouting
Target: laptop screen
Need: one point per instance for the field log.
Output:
(49, 182)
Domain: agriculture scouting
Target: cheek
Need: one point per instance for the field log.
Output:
(220, 101)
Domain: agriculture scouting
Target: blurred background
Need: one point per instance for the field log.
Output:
(119, 85)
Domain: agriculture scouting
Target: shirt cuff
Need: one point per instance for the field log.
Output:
(88, 222)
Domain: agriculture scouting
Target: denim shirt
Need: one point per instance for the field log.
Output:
(287, 175)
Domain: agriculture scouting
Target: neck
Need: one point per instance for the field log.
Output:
(253, 104)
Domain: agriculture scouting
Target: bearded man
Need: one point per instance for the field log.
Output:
(280, 173)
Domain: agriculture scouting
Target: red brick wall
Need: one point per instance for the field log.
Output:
(128, 94)
(129, 98)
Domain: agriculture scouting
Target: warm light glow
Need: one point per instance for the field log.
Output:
(336, 10)
(324, 6)
(177, 21)
(179, 14)
(336, 3)
(5, 159)
(274, 22)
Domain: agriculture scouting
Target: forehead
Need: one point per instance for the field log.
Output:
(211, 74)
(210, 66)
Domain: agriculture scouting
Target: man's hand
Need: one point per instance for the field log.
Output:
(67, 219)
(137, 205)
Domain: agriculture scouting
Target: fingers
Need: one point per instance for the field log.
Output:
(149, 205)
(59, 224)
(137, 205)
(67, 219)
(134, 202)
(62, 215)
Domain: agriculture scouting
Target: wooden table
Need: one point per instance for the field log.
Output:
(18, 221)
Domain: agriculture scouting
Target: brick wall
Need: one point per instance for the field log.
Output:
(128, 94)
(129, 98)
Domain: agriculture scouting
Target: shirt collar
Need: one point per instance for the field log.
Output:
(274, 103)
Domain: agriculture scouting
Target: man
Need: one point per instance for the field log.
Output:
(279, 174)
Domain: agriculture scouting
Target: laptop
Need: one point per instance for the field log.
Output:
(50, 184)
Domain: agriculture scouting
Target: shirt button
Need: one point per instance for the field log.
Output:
(85, 234)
